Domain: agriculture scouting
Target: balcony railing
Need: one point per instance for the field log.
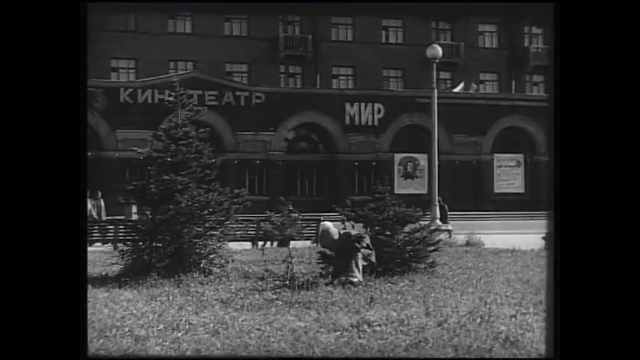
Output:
(296, 45)
(538, 55)
(452, 51)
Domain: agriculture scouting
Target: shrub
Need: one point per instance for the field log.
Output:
(282, 227)
(401, 243)
(472, 240)
(185, 210)
(469, 240)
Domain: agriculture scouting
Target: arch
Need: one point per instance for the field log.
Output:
(522, 122)
(333, 128)
(444, 142)
(219, 125)
(107, 137)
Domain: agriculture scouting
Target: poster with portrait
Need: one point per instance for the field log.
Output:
(410, 173)
(508, 170)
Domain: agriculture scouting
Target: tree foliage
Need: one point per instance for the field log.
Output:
(282, 227)
(401, 243)
(185, 211)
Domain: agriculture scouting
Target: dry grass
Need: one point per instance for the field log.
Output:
(478, 303)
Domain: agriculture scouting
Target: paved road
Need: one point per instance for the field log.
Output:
(518, 226)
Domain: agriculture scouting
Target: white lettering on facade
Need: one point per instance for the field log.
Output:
(195, 94)
(144, 96)
(228, 97)
(378, 113)
(363, 113)
(159, 97)
(201, 97)
(124, 95)
(210, 98)
(351, 112)
(242, 95)
(257, 98)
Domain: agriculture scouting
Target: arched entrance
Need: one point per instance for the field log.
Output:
(411, 133)
(222, 139)
(331, 131)
(513, 140)
(418, 120)
(533, 130)
(222, 136)
(521, 136)
(102, 172)
(309, 171)
(93, 141)
(411, 139)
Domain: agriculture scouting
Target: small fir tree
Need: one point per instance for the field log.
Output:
(282, 227)
(401, 243)
(185, 211)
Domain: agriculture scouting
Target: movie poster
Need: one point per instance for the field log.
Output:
(411, 173)
(508, 170)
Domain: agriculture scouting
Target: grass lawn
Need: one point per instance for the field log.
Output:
(478, 303)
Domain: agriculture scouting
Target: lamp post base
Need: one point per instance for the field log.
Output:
(435, 224)
(441, 229)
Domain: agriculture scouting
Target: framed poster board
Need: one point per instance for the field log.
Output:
(508, 173)
(410, 173)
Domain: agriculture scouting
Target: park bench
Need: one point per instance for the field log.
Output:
(118, 230)
(112, 231)
(247, 228)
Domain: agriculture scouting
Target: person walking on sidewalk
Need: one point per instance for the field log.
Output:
(444, 213)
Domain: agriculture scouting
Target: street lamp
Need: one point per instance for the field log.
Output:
(434, 53)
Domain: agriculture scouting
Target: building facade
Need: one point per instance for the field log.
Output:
(313, 105)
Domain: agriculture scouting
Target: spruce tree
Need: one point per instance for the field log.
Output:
(185, 211)
(401, 243)
(282, 227)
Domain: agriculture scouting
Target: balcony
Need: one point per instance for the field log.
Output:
(295, 45)
(452, 52)
(536, 55)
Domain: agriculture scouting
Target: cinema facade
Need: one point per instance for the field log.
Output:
(319, 147)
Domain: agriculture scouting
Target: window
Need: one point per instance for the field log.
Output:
(342, 29)
(534, 84)
(133, 171)
(445, 80)
(236, 25)
(123, 69)
(290, 25)
(441, 31)
(392, 79)
(180, 66)
(489, 82)
(392, 31)
(343, 77)
(237, 72)
(180, 23)
(364, 178)
(121, 22)
(255, 180)
(488, 36)
(533, 36)
(290, 76)
(307, 182)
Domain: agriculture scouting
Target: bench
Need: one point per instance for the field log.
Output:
(112, 231)
(247, 229)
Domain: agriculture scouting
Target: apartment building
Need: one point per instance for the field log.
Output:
(312, 102)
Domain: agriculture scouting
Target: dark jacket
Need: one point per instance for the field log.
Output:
(444, 213)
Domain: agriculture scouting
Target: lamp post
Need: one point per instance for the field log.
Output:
(434, 53)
